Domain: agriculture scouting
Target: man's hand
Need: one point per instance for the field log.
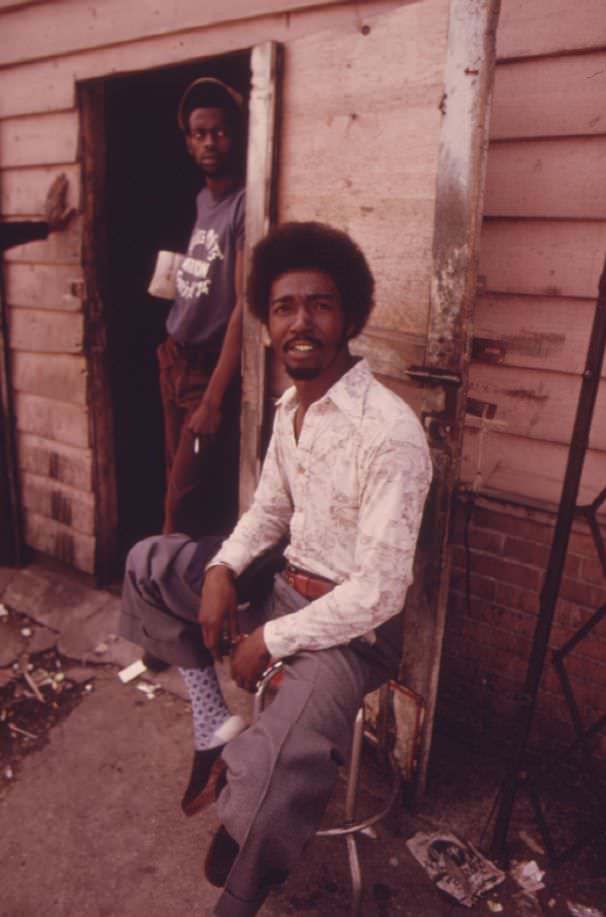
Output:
(206, 418)
(219, 603)
(56, 210)
(249, 659)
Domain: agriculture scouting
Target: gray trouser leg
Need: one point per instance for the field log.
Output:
(161, 597)
(282, 771)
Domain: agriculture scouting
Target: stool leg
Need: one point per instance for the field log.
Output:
(356, 875)
(354, 766)
(350, 812)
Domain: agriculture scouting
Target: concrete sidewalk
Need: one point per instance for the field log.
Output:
(92, 825)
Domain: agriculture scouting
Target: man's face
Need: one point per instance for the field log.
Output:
(209, 141)
(306, 323)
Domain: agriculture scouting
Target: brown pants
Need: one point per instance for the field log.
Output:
(201, 487)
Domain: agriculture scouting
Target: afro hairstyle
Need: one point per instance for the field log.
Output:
(312, 246)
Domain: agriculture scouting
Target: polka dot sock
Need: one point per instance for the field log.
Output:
(207, 705)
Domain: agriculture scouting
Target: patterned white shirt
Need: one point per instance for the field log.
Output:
(349, 495)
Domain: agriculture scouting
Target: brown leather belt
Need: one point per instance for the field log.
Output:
(306, 584)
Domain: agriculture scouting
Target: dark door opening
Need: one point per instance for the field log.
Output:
(150, 188)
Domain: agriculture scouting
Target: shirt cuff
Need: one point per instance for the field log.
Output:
(278, 646)
(219, 563)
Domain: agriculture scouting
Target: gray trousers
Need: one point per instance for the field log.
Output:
(282, 770)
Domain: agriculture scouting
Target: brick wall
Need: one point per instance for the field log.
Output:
(488, 638)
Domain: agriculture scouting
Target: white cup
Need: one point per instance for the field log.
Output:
(164, 282)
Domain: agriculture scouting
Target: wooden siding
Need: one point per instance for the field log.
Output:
(362, 119)
(62, 27)
(49, 84)
(542, 252)
(66, 464)
(531, 27)
(39, 140)
(46, 49)
(22, 199)
(517, 467)
(567, 100)
(562, 177)
(549, 333)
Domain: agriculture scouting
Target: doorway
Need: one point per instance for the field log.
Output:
(148, 185)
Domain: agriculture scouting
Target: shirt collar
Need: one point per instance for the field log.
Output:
(348, 393)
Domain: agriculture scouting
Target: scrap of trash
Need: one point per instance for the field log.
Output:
(528, 876)
(133, 671)
(580, 910)
(455, 866)
(37, 688)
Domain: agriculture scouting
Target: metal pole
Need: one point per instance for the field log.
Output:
(553, 576)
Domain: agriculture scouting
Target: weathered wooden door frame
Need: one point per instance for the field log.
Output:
(91, 100)
(11, 528)
(468, 80)
(260, 210)
(261, 180)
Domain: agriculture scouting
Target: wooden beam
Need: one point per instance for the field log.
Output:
(465, 107)
(39, 286)
(532, 27)
(56, 420)
(542, 257)
(58, 376)
(538, 332)
(515, 466)
(260, 208)
(46, 331)
(562, 178)
(538, 405)
(23, 191)
(549, 97)
(49, 85)
(11, 534)
(46, 458)
(40, 140)
(62, 27)
(60, 541)
(99, 397)
(67, 505)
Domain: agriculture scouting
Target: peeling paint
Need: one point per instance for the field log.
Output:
(535, 344)
(64, 547)
(525, 394)
(54, 465)
(446, 292)
(61, 507)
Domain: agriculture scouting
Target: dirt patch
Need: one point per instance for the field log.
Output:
(37, 690)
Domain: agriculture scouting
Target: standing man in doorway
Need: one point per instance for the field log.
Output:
(200, 358)
(344, 481)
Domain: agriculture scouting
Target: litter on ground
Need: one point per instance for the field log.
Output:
(132, 671)
(528, 875)
(456, 866)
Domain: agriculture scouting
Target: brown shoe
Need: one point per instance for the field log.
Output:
(220, 858)
(207, 771)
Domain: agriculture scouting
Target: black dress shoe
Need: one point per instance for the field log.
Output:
(207, 771)
(153, 663)
(220, 858)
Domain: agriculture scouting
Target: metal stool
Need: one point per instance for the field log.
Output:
(350, 828)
